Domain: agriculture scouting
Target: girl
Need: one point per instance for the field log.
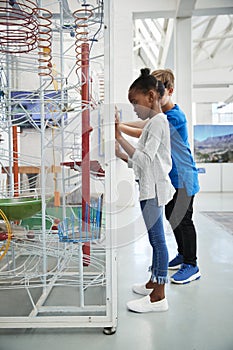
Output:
(184, 177)
(151, 161)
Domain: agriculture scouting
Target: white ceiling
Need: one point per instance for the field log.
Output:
(212, 38)
(212, 31)
(212, 24)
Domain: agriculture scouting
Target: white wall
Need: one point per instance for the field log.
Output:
(217, 178)
(203, 113)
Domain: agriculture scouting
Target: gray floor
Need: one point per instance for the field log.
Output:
(200, 315)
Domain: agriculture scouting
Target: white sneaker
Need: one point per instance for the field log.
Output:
(141, 289)
(145, 305)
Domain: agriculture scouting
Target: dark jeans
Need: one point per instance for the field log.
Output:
(179, 213)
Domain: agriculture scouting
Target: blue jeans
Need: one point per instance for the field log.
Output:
(153, 217)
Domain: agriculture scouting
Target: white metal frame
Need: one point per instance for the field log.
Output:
(69, 316)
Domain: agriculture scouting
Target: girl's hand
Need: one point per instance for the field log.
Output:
(117, 118)
(117, 131)
(117, 149)
(117, 126)
(119, 153)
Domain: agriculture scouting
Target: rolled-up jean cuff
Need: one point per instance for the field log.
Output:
(158, 279)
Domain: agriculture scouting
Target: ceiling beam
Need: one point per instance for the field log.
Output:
(214, 11)
(153, 14)
(229, 99)
(151, 31)
(164, 47)
(221, 41)
(214, 38)
(202, 8)
(144, 40)
(212, 86)
(205, 35)
(185, 8)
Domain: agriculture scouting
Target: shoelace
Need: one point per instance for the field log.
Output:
(183, 268)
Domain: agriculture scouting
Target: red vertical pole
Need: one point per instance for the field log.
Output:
(85, 147)
(15, 161)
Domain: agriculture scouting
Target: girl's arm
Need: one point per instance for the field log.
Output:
(129, 149)
(120, 154)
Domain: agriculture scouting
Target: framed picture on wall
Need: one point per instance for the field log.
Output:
(213, 143)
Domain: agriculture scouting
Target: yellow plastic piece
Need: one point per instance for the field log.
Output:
(4, 248)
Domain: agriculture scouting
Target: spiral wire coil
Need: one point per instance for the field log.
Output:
(82, 16)
(25, 27)
(18, 27)
(44, 41)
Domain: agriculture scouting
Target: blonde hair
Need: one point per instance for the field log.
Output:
(166, 76)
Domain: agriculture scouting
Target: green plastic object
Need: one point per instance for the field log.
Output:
(20, 208)
(35, 222)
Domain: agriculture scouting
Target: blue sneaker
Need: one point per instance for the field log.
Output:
(175, 263)
(187, 273)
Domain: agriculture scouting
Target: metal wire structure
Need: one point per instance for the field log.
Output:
(82, 17)
(29, 273)
(8, 235)
(71, 228)
(18, 26)
(24, 27)
(45, 259)
(44, 41)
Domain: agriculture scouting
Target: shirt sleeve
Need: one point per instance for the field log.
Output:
(153, 136)
(130, 163)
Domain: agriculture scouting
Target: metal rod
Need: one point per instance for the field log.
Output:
(81, 289)
(15, 161)
(63, 115)
(85, 144)
(43, 192)
(10, 179)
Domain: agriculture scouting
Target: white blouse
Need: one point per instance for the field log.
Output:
(152, 162)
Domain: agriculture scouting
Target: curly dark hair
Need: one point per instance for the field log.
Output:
(146, 82)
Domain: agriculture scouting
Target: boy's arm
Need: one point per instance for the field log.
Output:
(130, 130)
(133, 128)
(137, 123)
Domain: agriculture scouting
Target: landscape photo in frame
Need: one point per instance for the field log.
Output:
(213, 143)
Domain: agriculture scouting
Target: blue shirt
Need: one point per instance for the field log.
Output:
(184, 172)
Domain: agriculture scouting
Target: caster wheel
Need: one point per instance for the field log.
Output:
(109, 330)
